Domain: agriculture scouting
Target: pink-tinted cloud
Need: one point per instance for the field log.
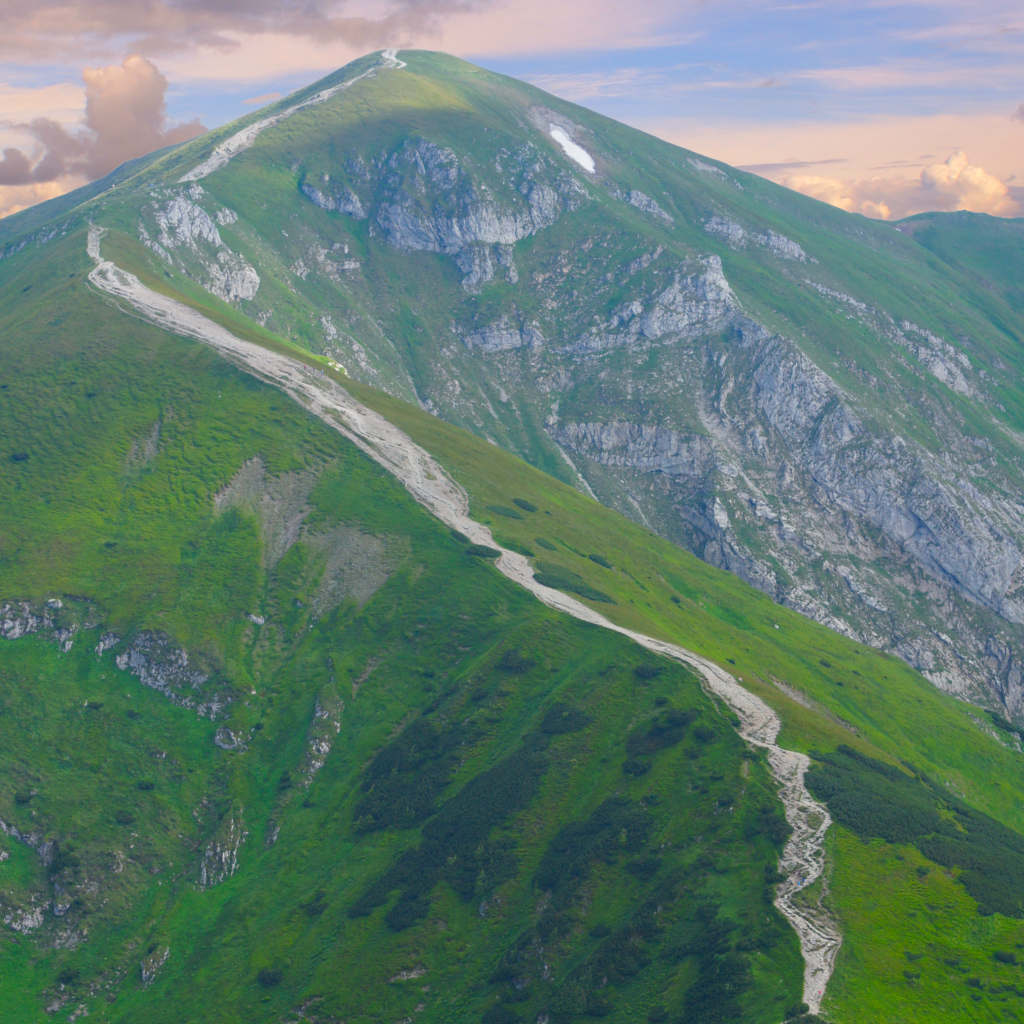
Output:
(125, 117)
(955, 184)
(49, 28)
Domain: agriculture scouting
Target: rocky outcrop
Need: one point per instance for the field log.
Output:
(434, 204)
(344, 200)
(698, 300)
(643, 202)
(852, 517)
(738, 237)
(159, 663)
(151, 964)
(646, 449)
(504, 334)
(58, 620)
(220, 857)
(188, 237)
(323, 731)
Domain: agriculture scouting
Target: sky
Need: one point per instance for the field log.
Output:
(880, 107)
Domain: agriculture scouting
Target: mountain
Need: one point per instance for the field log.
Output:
(829, 407)
(285, 733)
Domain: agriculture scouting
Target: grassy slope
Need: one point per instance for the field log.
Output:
(140, 543)
(860, 697)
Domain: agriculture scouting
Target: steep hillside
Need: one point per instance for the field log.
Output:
(811, 400)
(277, 744)
(254, 696)
(274, 741)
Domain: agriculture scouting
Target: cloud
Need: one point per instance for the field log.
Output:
(955, 184)
(125, 117)
(13, 200)
(47, 28)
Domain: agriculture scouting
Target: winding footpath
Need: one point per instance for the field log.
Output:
(802, 859)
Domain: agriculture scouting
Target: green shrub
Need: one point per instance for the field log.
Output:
(665, 731)
(648, 671)
(554, 576)
(504, 510)
(514, 545)
(525, 505)
(644, 868)
(514, 661)
(600, 560)
(268, 977)
(545, 544)
(454, 843)
(403, 781)
(562, 718)
(876, 800)
(482, 551)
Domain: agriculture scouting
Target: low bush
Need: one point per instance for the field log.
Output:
(648, 671)
(876, 800)
(554, 576)
(545, 544)
(525, 505)
(504, 510)
(513, 660)
(562, 718)
(482, 551)
(600, 560)
(666, 731)
(454, 844)
(268, 977)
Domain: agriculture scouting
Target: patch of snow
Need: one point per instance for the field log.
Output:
(572, 150)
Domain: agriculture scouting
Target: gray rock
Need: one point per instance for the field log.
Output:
(344, 201)
(644, 202)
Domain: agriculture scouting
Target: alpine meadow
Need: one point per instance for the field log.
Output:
(463, 559)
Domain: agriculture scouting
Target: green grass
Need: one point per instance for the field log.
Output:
(445, 640)
(871, 701)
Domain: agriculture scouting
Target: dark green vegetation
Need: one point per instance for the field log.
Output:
(878, 801)
(406, 769)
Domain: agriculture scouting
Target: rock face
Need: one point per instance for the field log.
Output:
(159, 663)
(188, 238)
(150, 966)
(220, 857)
(323, 731)
(422, 199)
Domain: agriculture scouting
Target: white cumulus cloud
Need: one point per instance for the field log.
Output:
(955, 184)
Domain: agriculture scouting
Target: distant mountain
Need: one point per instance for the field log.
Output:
(280, 741)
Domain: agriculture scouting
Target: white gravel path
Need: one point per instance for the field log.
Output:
(802, 859)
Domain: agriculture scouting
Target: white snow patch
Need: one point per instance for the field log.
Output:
(572, 150)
